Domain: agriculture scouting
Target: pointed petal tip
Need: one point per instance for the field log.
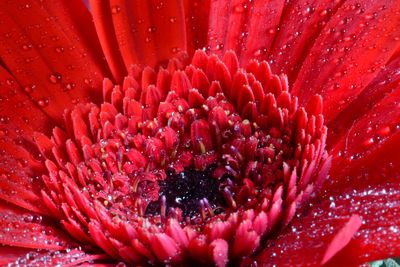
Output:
(342, 238)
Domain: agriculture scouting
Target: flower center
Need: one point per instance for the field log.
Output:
(190, 191)
(192, 161)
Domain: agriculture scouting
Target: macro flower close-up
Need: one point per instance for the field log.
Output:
(199, 132)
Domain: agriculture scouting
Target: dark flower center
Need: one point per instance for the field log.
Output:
(191, 191)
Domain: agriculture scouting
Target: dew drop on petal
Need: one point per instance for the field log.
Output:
(240, 8)
(115, 9)
(27, 47)
(30, 88)
(55, 77)
(59, 49)
(44, 102)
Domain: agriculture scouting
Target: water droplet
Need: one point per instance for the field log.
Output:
(87, 81)
(240, 8)
(23, 162)
(175, 50)
(368, 142)
(323, 12)
(30, 88)
(115, 9)
(369, 16)
(219, 46)
(59, 49)
(43, 102)
(69, 86)
(4, 120)
(25, 119)
(55, 77)
(152, 29)
(10, 82)
(27, 47)
(172, 19)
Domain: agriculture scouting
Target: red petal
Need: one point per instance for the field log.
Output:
(378, 237)
(367, 152)
(122, 18)
(219, 252)
(200, 135)
(70, 257)
(10, 254)
(164, 247)
(342, 238)
(300, 25)
(196, 15)
(335, 56)
(102, 241)
(19, 157)
(263, 23)
(19, 116)
(246, 27)
(103, 22)
(169, 20)
(386, 82)
(28, 230)
(150, 32)
(45, 48)
(328, 226)
(218, 24)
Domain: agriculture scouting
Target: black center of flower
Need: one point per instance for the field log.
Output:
(191, 191)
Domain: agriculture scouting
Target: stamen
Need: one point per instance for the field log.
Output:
(163, 206)
(229, 198)
(202, 209)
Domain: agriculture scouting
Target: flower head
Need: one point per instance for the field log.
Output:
(179, 132)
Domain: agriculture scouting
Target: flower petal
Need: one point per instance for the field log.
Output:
(261, 32)
(309, 243)
(246, 27)
(378, 237)
(28, 257)
(28, 230)
(19, 157)
(196, 15)
(301, 23)
(327, 227)
(10, 254)
(370, 29)
(367, 152)
(146, 32)
(50, 48)
(19, 116)
(386, 82)
(342, 238)
(103, 22)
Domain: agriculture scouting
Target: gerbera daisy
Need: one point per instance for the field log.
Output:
(183, 133)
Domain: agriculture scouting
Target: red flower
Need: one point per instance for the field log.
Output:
(122, 142)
